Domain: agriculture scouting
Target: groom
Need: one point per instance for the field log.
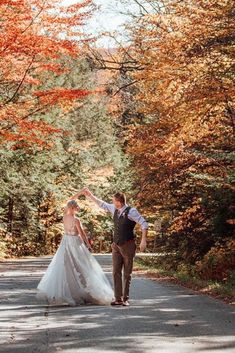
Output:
(123, 245)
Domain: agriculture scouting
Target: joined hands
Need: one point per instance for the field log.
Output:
(85, 191)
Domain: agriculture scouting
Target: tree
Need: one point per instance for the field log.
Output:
(183, 149)
(34, 36)
(35, 185)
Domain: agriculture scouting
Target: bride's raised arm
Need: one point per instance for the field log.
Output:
(79, 193)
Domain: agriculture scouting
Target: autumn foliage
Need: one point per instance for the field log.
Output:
(184, 149)
(168, 137)
(35, 35)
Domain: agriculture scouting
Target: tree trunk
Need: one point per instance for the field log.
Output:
(10, 215)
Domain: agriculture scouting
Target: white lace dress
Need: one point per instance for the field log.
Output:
(74, 276)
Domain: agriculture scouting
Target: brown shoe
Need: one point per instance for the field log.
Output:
(117, 302)
(126, 303)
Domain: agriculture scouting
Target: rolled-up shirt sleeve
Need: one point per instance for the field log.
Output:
(136, 216)
(104, 205)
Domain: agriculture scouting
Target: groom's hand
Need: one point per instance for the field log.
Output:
(143, 245)
(78, 194)
(82, 192)
(86, 191)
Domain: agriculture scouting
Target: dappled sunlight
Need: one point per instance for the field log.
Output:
(117, 144)
(160, 315)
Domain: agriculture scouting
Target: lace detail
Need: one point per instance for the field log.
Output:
(70, 225)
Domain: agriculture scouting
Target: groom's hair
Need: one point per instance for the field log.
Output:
(119, 196)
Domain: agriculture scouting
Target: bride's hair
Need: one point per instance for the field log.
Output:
(70, 205)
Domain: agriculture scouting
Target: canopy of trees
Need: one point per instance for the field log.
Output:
(34, 36)
(162, 130)
(56, 133)
(182, 136)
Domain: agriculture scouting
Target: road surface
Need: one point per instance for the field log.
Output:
(163, 317)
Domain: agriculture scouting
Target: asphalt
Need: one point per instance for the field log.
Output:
(163, 317)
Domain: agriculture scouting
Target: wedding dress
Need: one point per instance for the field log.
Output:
(74, 276)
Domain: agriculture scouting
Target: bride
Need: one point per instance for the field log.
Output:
(74, 276)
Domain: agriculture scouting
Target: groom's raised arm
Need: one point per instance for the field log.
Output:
(102, 204)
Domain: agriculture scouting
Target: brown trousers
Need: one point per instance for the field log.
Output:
(123, 257)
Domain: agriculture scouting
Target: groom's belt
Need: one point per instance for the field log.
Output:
(126, 241)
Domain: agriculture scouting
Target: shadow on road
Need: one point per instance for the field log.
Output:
(159, 313)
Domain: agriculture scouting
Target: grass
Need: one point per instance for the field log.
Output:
(223, 290)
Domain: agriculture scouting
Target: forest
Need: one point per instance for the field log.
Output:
(153, 117)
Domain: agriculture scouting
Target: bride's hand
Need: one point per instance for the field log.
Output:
(79, 193)
(89, 248)
(86, 191)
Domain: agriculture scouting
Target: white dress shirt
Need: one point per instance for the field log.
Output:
(133, 214)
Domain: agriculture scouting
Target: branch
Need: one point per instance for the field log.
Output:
(125, 86)
(24, 30)
(22, 80)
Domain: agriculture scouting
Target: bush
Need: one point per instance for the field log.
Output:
(219, 262)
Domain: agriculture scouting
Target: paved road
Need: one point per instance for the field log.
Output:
(163, 318)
